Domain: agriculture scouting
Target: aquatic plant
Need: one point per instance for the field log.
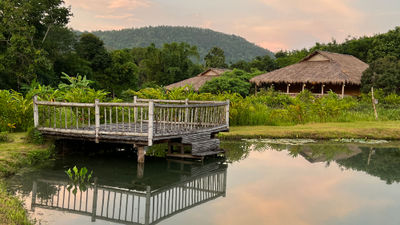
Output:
(78, 178)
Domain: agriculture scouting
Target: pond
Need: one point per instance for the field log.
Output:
(259, 182)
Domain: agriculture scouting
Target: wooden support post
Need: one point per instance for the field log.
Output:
(227, 112)
(288, 88)
(140, 154)
(35, 112)
(322, 89)
(94, 203)
(170, 148)
(304, 85)
(97, 119)
(343, 90)
(373, 103)
(150, 123)
(186, 111)
(255, 89)
(135, 112)
(140, 170)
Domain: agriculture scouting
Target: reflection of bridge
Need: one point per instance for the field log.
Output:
(130, 206)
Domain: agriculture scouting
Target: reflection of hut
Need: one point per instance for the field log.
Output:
(319, 72)
(320, 154)
(199, 80)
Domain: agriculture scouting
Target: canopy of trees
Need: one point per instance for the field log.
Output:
(236, 48)
(236, 81)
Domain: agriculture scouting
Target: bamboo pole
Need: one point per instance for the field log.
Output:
(227, 112)
(373, 103)
(150, 123)
(35, 112)
(97, 119)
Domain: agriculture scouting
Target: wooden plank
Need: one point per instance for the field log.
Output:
(187, 156)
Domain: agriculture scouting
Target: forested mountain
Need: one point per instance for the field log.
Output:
(236, 48)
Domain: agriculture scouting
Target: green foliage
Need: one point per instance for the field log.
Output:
(286, 58)
(15, 111)
(4, 137)
(215, 58)
(12, 209)
(383, 73)
(236, 81)
(26, 28)
(236, 48)
(34, 136)
(78, 178)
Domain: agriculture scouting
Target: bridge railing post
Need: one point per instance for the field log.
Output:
(135, 112)
(35, 112)
(186, 110)
(227, 112)
(151, 123)
(97, 119)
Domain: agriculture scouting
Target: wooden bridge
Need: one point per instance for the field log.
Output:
(143, 122)
(135, 207)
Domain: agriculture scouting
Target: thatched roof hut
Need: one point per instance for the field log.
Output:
(320, 67)
(199, 80)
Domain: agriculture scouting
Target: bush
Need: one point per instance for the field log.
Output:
(4, 137)
(34, 136)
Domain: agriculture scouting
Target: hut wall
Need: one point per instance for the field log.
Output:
(315, 88)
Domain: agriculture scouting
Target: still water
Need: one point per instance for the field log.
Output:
(258, 182)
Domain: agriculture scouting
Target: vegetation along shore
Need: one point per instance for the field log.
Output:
(17, 151)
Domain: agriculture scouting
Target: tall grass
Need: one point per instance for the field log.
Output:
(267, 108)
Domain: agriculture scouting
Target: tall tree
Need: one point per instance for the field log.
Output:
(24, 27)
(122, 73)
(383, 73)
(91, 49)
(215, 58)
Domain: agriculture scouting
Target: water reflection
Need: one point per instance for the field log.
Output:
(269, 183)
(382, 161)
(143, 200)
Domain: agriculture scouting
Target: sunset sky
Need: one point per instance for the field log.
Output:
(272, 24)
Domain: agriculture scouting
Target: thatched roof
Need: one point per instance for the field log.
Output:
(199, 80)
(318, 67)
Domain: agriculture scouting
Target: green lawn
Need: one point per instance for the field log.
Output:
(14, 156)
(369, 129)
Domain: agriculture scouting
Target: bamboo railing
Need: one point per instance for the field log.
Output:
(142, 118)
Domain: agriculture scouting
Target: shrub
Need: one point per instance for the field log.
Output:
(4, 137)
(34, 136)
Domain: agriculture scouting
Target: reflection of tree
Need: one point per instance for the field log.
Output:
(383, 163)
(237, 151)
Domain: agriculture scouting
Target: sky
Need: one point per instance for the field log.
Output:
(272, 24)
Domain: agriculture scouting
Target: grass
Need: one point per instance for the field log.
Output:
(15, 155)
(389, 130)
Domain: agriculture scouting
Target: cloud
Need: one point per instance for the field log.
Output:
(103, 14)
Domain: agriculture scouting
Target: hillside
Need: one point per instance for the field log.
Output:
(235, 47)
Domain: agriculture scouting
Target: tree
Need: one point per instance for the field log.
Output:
(122, 74)
(263, 63)
(24, 27)
(91, 49)
(383, 73)
(215, 58)
(171, 63)
(235, 81)
(242, 65)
